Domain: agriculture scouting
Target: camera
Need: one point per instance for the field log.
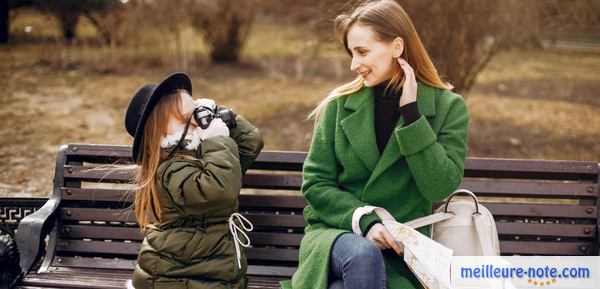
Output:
(204, 115)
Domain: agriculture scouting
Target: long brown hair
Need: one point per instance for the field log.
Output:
(388, 20)
(147, 208)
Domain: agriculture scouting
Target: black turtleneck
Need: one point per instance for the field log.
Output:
(387, 113)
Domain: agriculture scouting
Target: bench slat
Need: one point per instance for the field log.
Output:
(294, 181)
(548, 229)
(275, 254)
(272, 254)
(483, 188)
(298, 222)
(272, 182)
(546, 248)
(273, 201)
(272, 160)
(281, 220)
(536, 210)
(251, 180)
(131, 250)
(286, 239)
(97, 195)
(80, 277)
(48, 280)
(474, 167)
(529, 189)
(99, 247)
(279, 271)
(124, 196)
(473, 163)
(97, 214)
(101, 232)
(124, 215)
(480, 166)
(92, 174)
(134, 234)
(112, 267)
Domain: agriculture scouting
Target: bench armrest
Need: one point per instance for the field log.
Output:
(33, 229)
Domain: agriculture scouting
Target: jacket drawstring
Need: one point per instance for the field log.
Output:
(234, 229)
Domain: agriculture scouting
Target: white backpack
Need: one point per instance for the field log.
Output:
(463, 225)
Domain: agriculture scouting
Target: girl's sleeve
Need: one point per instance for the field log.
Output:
(320, 172)
(249, 141)
(208, 184)
(437, 161)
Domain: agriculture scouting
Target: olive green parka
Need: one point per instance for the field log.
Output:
(191, 246)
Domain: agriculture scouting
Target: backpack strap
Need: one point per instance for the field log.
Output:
(386, 216)
(428, 220)
(442, 216)
(486, 246)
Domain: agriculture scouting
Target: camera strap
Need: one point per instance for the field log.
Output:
(185, 130)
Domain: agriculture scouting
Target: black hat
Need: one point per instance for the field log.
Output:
(144, 100)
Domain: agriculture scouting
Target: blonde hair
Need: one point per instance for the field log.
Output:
(146, 205)
(388, 20)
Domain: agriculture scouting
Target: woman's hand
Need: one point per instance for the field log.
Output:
(409, 89)
(379, 235)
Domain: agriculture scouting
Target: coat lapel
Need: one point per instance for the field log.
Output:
(359, 128)
(391, 153)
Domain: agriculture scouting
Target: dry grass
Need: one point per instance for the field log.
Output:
(537, 104)
(526, 104)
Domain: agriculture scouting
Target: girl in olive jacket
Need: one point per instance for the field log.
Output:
(188, 181)
(395, 137)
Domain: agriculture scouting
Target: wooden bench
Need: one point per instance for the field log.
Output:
(541, 208)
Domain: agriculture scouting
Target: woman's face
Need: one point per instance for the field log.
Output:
(371, 58)
(186, 109)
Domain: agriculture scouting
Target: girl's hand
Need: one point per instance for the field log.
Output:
(379, 235)
(207, 102)
(215, 128)
(409, 89)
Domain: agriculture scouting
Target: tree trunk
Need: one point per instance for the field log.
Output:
(68, 23)
(228, 49)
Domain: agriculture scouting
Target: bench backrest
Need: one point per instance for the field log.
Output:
(541, 207)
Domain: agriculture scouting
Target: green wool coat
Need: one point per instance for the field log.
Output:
(192, 247)
(421, 163)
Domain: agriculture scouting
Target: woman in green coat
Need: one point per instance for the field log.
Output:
(395, 137)
(188, 182)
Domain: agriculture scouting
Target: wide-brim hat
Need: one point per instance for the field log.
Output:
(143, 102)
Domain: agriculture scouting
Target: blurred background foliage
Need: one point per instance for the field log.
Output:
(529, 70)
(462, 36)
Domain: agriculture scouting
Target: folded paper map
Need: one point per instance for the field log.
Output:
(428, 259)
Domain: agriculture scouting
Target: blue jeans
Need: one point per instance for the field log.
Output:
(356, 263)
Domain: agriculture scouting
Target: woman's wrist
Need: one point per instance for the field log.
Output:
(368, 228)
(367, 221)
(410, 112)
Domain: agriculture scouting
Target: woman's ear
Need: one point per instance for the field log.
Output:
(397, 47)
